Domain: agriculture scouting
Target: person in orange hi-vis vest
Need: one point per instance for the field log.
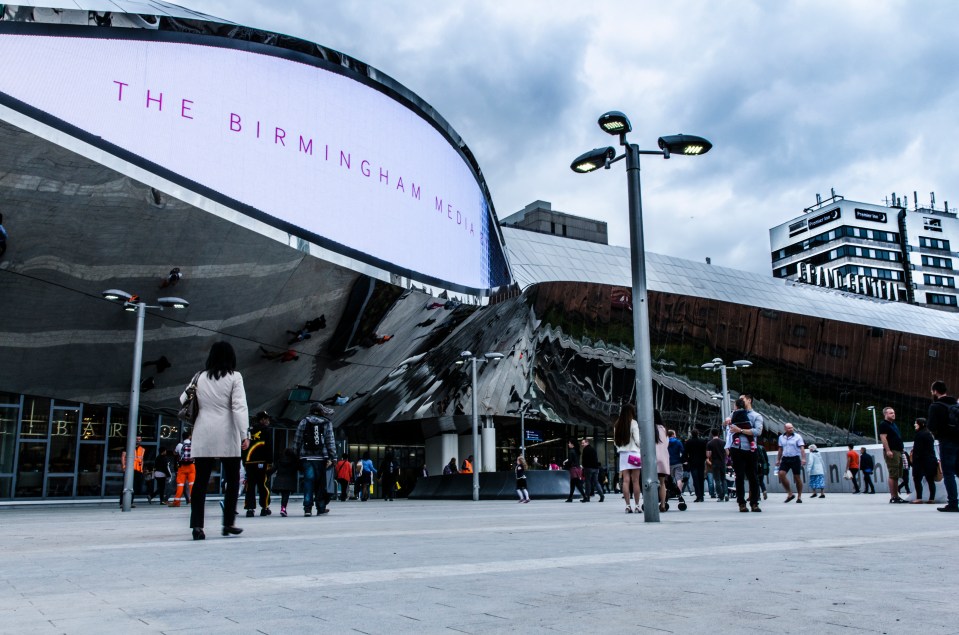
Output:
(467, 465)
(186, 472)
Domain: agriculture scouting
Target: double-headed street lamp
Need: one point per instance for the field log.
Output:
(472, 360)
(617, 124)
(720, 365)
(133, 303)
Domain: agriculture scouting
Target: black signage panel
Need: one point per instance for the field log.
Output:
(876, 217)
(824, 218)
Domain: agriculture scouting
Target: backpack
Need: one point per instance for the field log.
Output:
(313, 437)
(952, 425)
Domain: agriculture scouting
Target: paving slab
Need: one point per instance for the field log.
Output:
(846, 564)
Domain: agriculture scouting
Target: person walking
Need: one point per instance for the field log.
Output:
(521, 489)
(626, 438)
(852, 465)
(716, 463)
(314, 444)
(662, 457)
(258, 463)
(365, 480)
(945, 429)
(389, 472)
(696, 460)
(185, 471)
(162, 471)
(572, 464)
(218, 434)
(286, 477)
(762, 468)
(817, 471)
(906, 467)
(742, 451)
(677, 460)
(866, 465)
(591, 467)
(791, 458)
(344, 475)
(892, 447)
(924, 461)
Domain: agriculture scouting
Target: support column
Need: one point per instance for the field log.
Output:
(439, 450)
(487, 456)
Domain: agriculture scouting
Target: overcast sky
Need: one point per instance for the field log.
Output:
(797, 98)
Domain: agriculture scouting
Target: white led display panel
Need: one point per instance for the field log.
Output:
(329, 155)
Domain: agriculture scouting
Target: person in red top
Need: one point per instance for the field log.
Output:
(852, 464)
(344, 475)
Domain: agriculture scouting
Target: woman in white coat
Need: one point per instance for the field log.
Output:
(220, 433)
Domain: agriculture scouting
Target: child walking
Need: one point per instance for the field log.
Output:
(287, 475)
(521, 490)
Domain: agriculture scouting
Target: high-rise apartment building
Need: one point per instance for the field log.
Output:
(889, 251)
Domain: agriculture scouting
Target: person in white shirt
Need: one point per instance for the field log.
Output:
(791, 457)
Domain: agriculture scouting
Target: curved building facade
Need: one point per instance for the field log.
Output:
(337, 231)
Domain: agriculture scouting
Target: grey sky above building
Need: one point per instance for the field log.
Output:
(797, 98)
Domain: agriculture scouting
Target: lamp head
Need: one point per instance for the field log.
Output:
(742, 363)
(116, 294)
(493, 357)
(686, 144)
(615, 123)
(173, 303)
(593, 160)
(466, 354)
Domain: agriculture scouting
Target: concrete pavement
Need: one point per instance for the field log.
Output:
(839, 565)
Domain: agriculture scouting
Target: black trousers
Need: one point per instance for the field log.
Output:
(257, 480)
(855, 478)
(744, 463)
(159, 488)
(576, 484)
(867, 485)
(698, 476)
(927, 472)
(231, 477)
(137, 487)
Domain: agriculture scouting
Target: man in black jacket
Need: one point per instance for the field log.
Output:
(937, 422)
(257, 461)
(591, 467)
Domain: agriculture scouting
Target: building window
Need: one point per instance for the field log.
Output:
(933, 243)
(938, 263)
(941, 299)
(939, 281)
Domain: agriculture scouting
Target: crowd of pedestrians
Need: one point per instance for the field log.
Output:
(733, 459)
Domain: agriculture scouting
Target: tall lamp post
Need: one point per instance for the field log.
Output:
(472, 360)
(133, 303)
(875, 428)
(720, 365)
(617, 124)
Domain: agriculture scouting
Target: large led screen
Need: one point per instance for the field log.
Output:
(316, 152)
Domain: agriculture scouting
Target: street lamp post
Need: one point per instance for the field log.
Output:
(617, 124)
(133, 303)
(875, 428)
(720, 365)
(472, 360)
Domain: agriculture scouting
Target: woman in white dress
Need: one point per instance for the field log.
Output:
(626, 438)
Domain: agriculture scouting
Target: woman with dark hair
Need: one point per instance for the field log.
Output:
(626, 438)
(389, 472)
(924, 461)
(220, 432)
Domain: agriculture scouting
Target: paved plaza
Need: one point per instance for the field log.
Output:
(846, 564)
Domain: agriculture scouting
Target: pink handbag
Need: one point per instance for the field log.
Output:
(634, 459)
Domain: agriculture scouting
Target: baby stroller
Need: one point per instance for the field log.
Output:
(673, 491)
